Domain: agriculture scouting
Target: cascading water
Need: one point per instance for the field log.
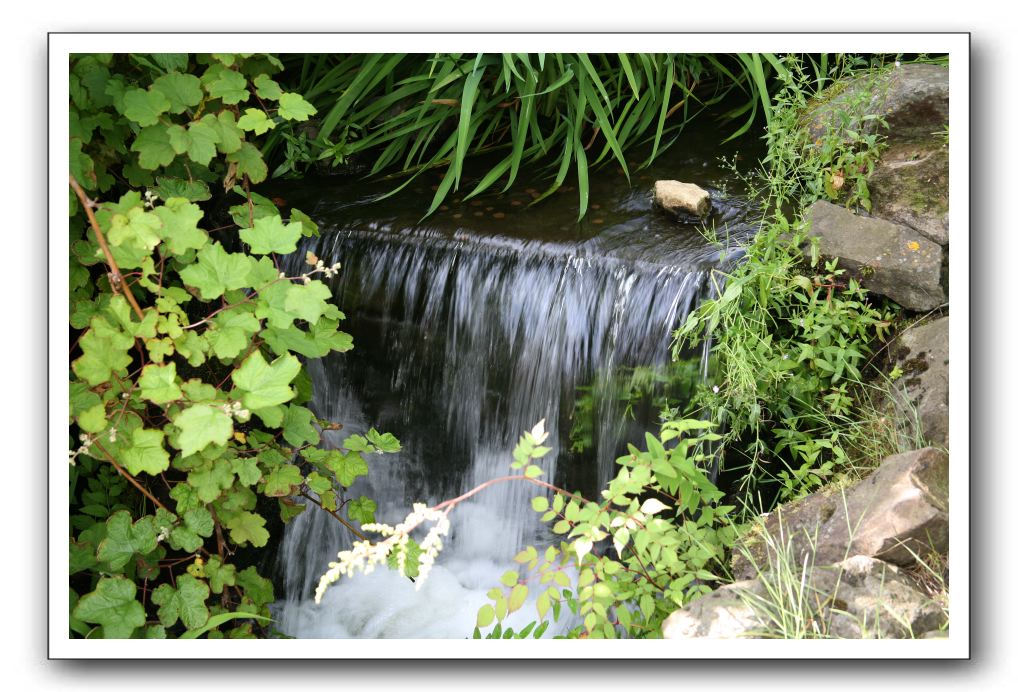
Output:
(468, 331)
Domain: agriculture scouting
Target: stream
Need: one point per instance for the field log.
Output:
(471, 326)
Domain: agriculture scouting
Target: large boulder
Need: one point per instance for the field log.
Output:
(885, 257)
(910, 186)
(921, 354)
(860, 597)
(911, 99)
(898, 513)
(681, 199)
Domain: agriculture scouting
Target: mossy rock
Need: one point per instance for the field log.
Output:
(911, 99)
(910, 187)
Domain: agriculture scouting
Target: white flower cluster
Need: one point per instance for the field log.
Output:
(364, 556)
(150, 199)
(236, 410)
(86, 443)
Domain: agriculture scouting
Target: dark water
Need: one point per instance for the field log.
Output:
(469, 327)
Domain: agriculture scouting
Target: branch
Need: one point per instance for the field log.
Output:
(340, 519)
(116, 278)
(123, 472)
(456, 500)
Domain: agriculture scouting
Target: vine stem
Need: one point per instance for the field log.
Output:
(449, 504)
(123, 472)
(117, 277)
(336, 516)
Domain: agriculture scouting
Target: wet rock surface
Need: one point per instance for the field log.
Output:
(681, 198)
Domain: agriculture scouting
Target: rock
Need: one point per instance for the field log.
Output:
(921, 353)
(909, 186)
(860, 597)
(681, 198)
(912, 99)
(885, 257)
(897, 513)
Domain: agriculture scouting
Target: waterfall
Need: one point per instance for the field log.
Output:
(463, 340)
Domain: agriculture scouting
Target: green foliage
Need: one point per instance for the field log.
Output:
(791, 336)
(566, 112)
(184, 392)
(664, 536)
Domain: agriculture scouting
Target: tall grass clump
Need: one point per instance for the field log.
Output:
(564, 113)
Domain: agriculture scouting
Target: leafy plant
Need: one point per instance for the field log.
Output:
(790, 336)
(660, 515)
(566, 112)
(188, 392)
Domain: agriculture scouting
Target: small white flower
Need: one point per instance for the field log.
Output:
(897, 63)
(113, 434)
(716, 389)
(282, 275)
(784, 356)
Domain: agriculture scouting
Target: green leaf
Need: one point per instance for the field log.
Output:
(485, 615)
(188, 535)
(282, 481)
(146, 453)
(104, 351)
(231, 137)
(386, 442)
(249, 162)
(180, 229)
(113, 606)
(256, 588)
(230, 86)
(317, 482)
(517, 597)
(220, 575)
(124, 539)
(307, 301)
(347, 467)
(217, 271)
(362, 510)
(294, 107)
(308, 227)
(246, 469)
(180, 90)
(158, 383)
(270, 235)
(221, 619)
(191, 190)
(255, 120)
(539, 504)
(262, 384)
(246, 527)
(144, 107)
(208, 483)
(186, 602)
(201, 425)
(266, 88)
(231, 332)
(137, 228)
(153, 147)
(298, 426)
